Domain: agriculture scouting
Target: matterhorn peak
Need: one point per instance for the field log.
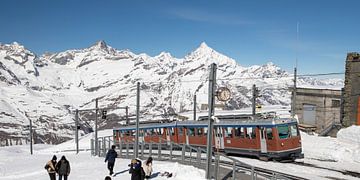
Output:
(204, 47)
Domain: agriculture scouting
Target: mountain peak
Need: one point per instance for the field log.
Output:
(204, 46)
(100, 45)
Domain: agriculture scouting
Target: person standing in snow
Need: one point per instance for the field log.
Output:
(110, 158)
(50, 168)
(63, 168)
(136, 171)
(147, 166)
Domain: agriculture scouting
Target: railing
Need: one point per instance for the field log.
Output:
(223, 166)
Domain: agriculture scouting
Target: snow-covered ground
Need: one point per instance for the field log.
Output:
(325, 158)
(17, 163)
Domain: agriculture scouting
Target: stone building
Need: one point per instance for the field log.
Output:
(318, 107)
(352, 90)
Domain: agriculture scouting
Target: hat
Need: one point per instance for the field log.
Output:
(133, 161)
(54, 158)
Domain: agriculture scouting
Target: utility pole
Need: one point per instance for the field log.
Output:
(211, 102)
(195, 106)
(77, 130)
(137, 120)
(96, 127)
(293, 107)
(31, 137)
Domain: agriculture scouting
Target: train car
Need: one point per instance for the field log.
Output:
(265, 138)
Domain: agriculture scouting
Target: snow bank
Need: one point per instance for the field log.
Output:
(350, 135)
(344, 148)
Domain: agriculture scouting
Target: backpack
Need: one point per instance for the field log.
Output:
(46, 166)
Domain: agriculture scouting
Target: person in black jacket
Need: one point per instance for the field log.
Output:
(110, 158)
(136, 171)
(63, 168)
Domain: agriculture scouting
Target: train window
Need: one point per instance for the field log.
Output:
(133, 132)
(283, 131)
(293, 130)
(250, 132)
(191, 131)
(205, 131)
(160, 131)
(239, 132)
(148, 132)
(180, 131)
(141, 132)
(153, 132)
(269, 134)
(172, 132)
(228, 132)
(198, 131)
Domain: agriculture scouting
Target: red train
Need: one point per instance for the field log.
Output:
(276, 139)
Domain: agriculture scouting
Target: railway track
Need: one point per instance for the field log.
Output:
(347, 173)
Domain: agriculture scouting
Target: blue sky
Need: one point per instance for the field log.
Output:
(252, 32)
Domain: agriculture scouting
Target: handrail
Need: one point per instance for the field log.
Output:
(229, 162)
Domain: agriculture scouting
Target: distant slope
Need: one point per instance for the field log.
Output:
(48, 88)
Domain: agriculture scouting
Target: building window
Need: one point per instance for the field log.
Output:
(335, 103)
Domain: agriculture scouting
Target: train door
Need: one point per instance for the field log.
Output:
(141, 135)
(168, 134)
(219, 138)
(263, 147)
(187, 136)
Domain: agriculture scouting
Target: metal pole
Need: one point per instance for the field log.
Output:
(211, 101)
(127, 114)
(96, 127)
(195, 106)
(137, 120)
(31, 137)
(253, 100)
(77, 130)
(293, 107)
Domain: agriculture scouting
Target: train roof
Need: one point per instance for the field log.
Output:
(228, 123)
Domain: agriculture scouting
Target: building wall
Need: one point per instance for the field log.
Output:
(352, 89)
(327, 112)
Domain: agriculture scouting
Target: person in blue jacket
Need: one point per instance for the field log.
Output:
(111, 155)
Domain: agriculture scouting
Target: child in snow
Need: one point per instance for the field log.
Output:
(136, 171)
(147, 166)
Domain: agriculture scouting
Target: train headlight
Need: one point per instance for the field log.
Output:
(282, 144)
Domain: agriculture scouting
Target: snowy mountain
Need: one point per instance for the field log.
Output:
(48, 88)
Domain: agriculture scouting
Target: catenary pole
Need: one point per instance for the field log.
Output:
(77, 130)
(127, 114)
(253, 101)
(31, 137)
(96, 127)
(293, 107)
(211, 101)
(137, 120)
(195, 106)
